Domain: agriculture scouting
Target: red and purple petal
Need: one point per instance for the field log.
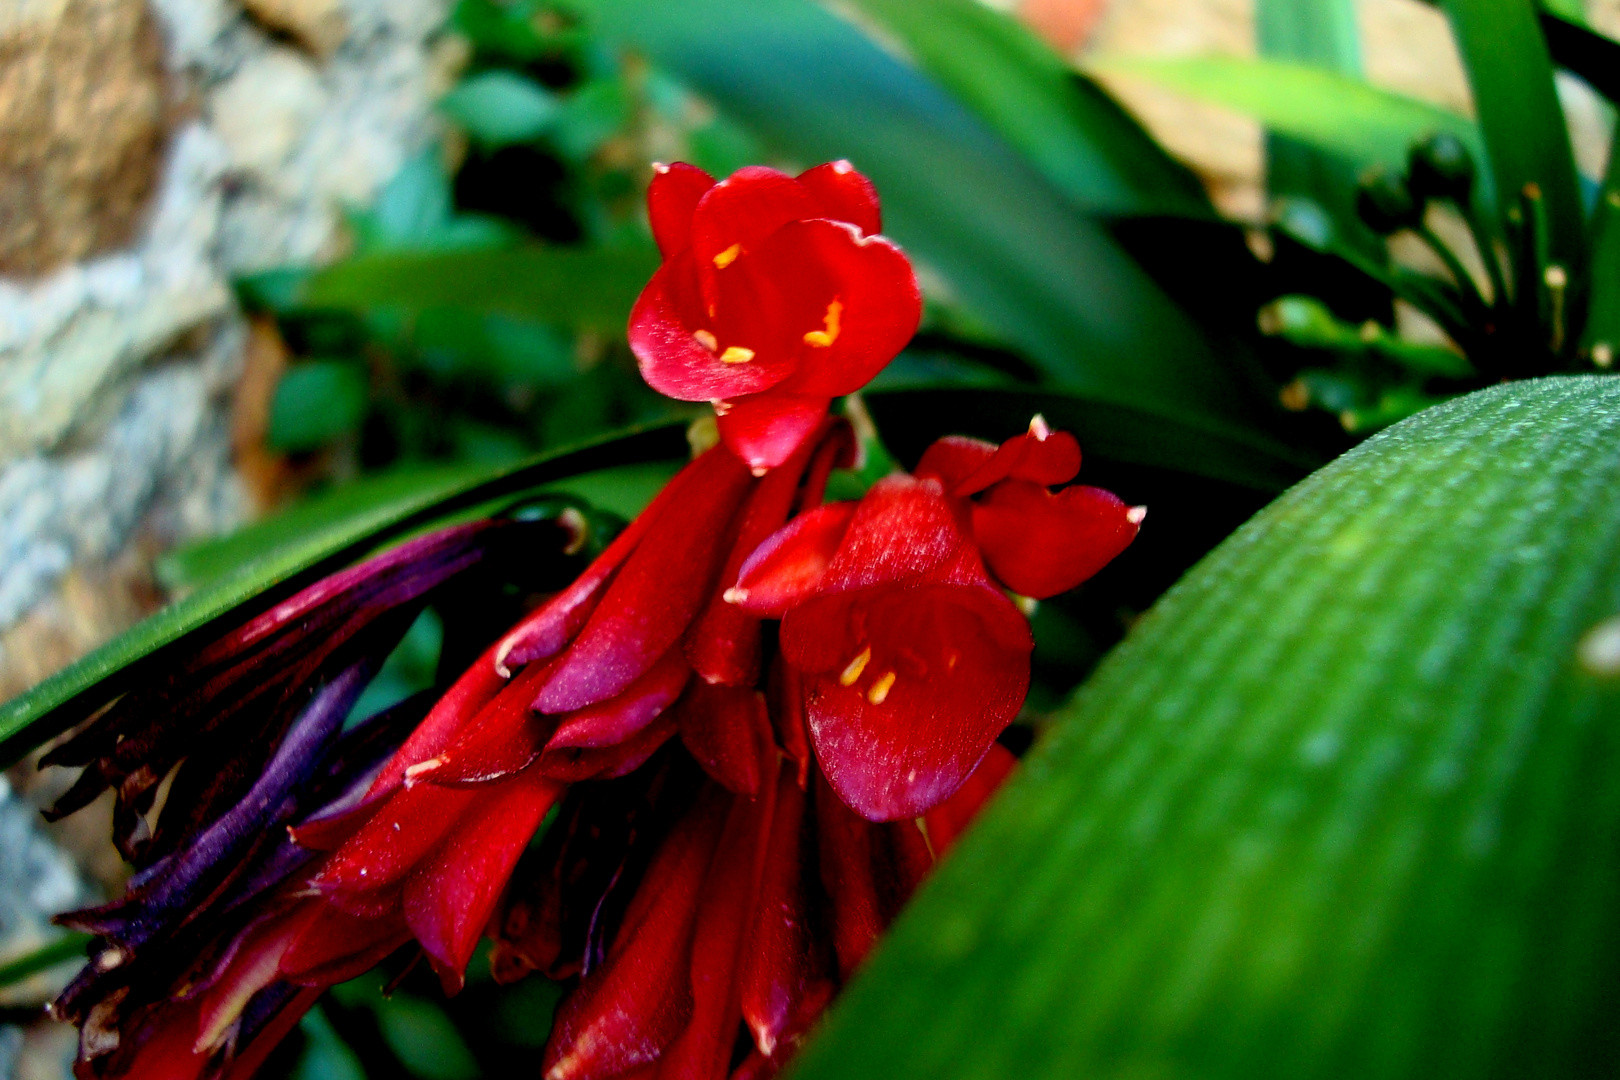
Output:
(623, 716)
(727, 729)
(787, 569)
(765, 429)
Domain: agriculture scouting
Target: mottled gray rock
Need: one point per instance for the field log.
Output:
(37, 880)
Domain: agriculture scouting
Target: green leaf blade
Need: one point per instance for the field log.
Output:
(1346, 803)
(1075, 134)
(1333, 111)
(586, 288)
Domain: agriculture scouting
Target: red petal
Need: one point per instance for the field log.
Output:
(741, 211)
(247, 1062)
(703, 1049)
(787, 569)
(787, 716)
(787, 976)
(868, 872)
(723, 645)
(657, 593)
(449, 899)
(816, 264)
(903, 530)
(925, 679)
(726, 729)
(334, 946)
(502, 739)
(1041, 543)
(545, 631)
(1041, 456)
(679, 341)
(625, 1013)
(953, 459)
(166, 1053)
(947, 821)
(765, 429)
(844, 195)
(619, 718)
(570, 764)
(672, 198)
(458, 707)
(408, 826)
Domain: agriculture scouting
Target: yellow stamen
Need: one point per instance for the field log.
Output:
(856, 666)
(736, 354)
(880, 689)
(727, 257)
(706, 339)
(823, 338)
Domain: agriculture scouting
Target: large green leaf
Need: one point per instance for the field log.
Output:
(1074, 133)
(60, 701)
(1346, 803)
(1336, 112)
(576, 287)
(1511, 74)
(1049, 279)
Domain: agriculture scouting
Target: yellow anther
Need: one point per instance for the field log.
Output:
(881, 688)
(706, 339)
(727, 257)
(856, 666)
(736, 354)
(823, 338)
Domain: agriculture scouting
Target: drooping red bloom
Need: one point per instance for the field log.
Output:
(776, 295)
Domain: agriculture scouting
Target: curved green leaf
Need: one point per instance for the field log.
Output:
(575, 287)
(1335, 112)
(1047, 278)
(1075, 134)
(50, 708)
(910, 418)
(1346, 803)
(1510, 72)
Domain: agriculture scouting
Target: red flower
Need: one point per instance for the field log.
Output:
(1037, 542)
(775, 296)
(913, 659)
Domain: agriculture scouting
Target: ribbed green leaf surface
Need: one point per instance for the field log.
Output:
(1346, 803)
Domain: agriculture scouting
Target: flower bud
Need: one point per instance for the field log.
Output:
(1440, 167)
(1385, 205)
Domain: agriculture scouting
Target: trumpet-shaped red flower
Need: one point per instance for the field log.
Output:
(776, 295)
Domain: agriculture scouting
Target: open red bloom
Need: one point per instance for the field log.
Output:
(775, 296)
(913, 660)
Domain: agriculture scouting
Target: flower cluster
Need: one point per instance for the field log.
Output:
(739, 813)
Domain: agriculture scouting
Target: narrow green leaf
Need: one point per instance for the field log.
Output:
(1346, 803)
(587, 288)
(1050, 280)
(1074, 133)
(1601, 340)
(60, 701)
(500, 107)
(60, 951)
(1323, 34)
(1527, 142)
(1593, 56)
(1344, 115)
